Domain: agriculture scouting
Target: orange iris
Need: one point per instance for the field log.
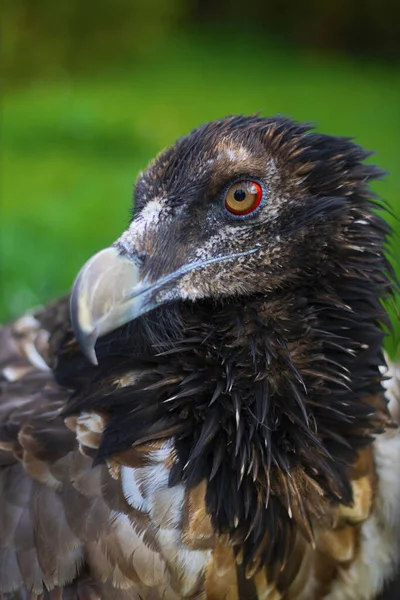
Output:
(243, 197)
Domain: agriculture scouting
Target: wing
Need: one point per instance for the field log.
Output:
(41, 547)
(66, 524)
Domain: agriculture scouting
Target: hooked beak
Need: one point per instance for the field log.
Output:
(110, 291)
(107, 293)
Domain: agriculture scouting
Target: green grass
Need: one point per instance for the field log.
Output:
(72, 148)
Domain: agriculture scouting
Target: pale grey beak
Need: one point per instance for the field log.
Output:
(110, 291)
(106, 294)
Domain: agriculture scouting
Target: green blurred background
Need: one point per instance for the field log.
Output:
(94, 90)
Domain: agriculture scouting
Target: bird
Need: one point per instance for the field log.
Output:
(210, 414)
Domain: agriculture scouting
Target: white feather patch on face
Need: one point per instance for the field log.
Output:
(148, 217)
(214, 243)
(379, 551)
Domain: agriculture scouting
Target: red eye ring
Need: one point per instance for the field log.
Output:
(243, 197)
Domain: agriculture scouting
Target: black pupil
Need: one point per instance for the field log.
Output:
(240, 195)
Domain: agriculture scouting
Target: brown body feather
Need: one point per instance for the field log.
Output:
(239, 448)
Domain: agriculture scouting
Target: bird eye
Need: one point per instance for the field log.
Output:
(243, 197)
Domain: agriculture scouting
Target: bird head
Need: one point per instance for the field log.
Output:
(240, 206)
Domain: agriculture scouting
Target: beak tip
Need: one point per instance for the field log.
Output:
(90, 354)
(86, 342)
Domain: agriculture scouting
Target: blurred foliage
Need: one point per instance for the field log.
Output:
(361, 27)
(95, 90)
(47, 38)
